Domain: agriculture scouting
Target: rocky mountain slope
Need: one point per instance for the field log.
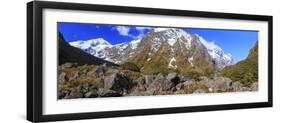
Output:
(176, 48)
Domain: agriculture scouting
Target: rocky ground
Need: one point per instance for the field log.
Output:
(91, 81)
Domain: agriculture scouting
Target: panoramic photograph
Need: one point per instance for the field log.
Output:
(104, 60)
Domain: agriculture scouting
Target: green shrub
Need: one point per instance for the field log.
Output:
(245, 71)
(130, 66)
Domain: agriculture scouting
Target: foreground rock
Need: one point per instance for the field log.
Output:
(118, 82)
(101, 81)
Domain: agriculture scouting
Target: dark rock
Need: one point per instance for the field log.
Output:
(61, 95)
(179, 86)
(110, 93)
(118, 82)
(172, 80)
(173, 77)
(75, 94)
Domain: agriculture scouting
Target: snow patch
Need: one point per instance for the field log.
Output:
(135, 43)
(172, 63)
(171, 42)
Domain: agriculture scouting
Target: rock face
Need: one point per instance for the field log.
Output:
(118, 82)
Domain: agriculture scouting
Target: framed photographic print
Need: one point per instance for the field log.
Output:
(96, 61)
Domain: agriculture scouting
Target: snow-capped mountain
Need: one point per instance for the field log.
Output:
(103, 49)
(162, 47)
(220, 58)
(96, 47)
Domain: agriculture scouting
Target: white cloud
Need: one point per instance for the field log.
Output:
(141, 31)
(123, 30)
(211, 45)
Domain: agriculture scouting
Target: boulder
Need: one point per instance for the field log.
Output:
(156, 85)
(237, 86)
(173, 77)
(185, 79)
(218, 84)
(110, 93)
(118, 82)
(74, 94)
(171, 81)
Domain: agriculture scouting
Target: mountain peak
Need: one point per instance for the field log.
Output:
(90, 42)
(171, 35)
(99, 41)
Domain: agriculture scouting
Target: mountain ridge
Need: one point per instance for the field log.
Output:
(170, 38)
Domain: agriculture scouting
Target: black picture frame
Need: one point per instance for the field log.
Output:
(35, 69)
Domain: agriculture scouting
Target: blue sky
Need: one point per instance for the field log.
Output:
(237, 43)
